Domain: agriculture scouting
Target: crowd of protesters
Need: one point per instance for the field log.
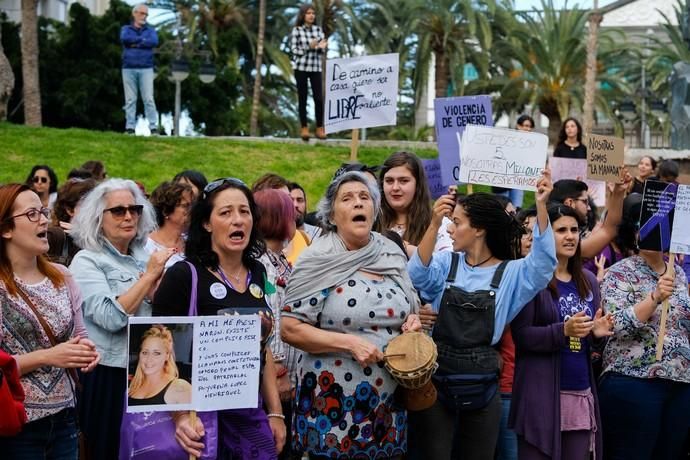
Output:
(551, 313)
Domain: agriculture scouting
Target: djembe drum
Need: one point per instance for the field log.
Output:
(410, 358)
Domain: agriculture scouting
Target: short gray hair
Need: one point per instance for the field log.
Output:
(87, 225)
(324, 209)
(137, 6)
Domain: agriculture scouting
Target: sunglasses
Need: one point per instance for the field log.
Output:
(213, 186)
(34, 215)
(42, 180)
(119, 212)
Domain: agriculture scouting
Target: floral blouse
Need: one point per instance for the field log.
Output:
(632, 348)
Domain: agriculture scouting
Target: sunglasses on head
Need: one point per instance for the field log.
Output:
(37, 179)
(120, 211)
(213, 186)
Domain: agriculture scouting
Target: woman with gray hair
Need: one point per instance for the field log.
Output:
(117, 278)
(348, 296)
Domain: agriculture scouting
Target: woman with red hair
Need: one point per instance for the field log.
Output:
(42, 327)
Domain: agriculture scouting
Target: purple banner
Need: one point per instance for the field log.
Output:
(656, 216)
(452, 115)
(432, 169)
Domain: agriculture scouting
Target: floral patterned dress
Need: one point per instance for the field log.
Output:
(341, 409)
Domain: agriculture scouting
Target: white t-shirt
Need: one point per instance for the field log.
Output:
(152, 246)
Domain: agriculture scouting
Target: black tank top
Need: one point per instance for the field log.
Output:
(153, 400)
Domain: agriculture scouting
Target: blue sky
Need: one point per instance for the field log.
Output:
(529, 4)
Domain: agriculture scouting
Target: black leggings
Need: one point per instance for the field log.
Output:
(317, 92)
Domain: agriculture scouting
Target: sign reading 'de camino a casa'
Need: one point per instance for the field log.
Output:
(452, 115)
(361, 92)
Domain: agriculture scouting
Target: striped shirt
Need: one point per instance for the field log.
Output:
(304, 57)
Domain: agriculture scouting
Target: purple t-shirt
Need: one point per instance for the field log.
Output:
(574, 367)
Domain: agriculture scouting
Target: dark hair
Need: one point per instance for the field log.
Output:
(419, 213)
(277, 214)
(295, 186)
(166, 197)
(198, 248)
(561, 134)
(51, 174)
(195, 177)
(270, 181)
(303, 12)
(626, 238)
(523, 118)
(652, 161)
(96, 168)
(503, 231)
(567, 188)
(668, 169)
(504, 200)
(79, 173)
(526, 213)
(575, 262)
(68, 196)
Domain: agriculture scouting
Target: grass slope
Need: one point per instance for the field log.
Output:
(153, 160)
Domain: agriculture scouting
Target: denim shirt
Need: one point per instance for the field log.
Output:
(103, 276)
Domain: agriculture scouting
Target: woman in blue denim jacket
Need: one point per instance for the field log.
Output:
(117, 278)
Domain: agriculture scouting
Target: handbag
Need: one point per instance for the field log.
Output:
(466, 392)
(151, 435)
(11, 397)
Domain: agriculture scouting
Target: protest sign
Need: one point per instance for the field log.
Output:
(452, 115)
(361, 92)
(605, 157)
(576, 168)
(217, 359)
(656, 216)
(502, 157)
(432, 169)
(680, 234)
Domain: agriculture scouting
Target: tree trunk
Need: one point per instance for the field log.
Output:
(6, 81)
(29, 45)
(554, 126)
(442, 73)
(256, 97)
(591, 73)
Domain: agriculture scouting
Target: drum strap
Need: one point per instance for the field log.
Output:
(452, 273)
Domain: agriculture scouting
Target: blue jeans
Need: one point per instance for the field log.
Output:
(52, 438)
(506, 448)
(141, 81)
(643, 419)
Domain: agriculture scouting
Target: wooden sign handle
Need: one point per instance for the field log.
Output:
(470, 189)
(354, 145)
(664, 312)
(192, 421)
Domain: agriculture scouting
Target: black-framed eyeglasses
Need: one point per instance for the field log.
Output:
(213, 186)
(120, 212)
(41, 179)
(34, 215)
(582, 200)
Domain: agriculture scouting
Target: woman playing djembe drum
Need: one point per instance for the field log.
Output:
(348, 296)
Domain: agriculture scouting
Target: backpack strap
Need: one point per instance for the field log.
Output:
(193, 295)
(452, 273)
(498, 274)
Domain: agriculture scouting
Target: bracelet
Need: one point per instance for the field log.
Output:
(280, 416)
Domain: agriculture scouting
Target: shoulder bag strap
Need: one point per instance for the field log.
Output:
(193, 294)
(71, 372)
(498, 274)
(452, 273)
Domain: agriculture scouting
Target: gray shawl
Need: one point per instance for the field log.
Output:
(327, 263)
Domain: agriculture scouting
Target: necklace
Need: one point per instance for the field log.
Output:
(235, 277)
(480, 263)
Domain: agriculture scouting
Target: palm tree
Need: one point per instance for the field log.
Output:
(6, 81)
(256, 96)
(29, 46)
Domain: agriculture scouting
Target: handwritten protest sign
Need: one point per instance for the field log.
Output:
(432, 169)
(605, 157)
(502, 157)
(680, 234)
(452, 115)
(361, 92)
(576, 168)
(217, 358)
(226, 374)
(656, 217)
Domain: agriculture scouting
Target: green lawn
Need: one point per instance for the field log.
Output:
(153, 160)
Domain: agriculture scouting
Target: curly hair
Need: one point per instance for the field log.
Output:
(166, 197)
(325, 207)
(68, 196)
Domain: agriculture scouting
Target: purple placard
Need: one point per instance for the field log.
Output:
(432, 169)
(656, 215)
(452, 115)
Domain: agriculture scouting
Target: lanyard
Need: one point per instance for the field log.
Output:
(227, 281)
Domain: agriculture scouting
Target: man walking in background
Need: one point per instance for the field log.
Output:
(138, 41)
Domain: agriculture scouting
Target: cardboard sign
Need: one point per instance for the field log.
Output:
(432, 169)
(361, 92)
(502, 157)
(453, 115)
(656, 216)
(605, 157)
(576, 168)
(680, 233)
(218, 361)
